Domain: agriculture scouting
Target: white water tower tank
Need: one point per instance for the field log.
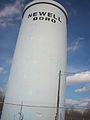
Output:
(41, 52)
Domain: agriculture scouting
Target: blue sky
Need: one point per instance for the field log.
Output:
(78, 83)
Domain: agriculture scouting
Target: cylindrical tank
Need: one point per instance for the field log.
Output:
(41, 52)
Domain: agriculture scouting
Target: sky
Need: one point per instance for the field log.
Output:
(78, 59)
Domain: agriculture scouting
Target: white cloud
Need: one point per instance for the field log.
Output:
(77, 103)
(1, 69)
(10, 13)
(78, 77)
(71, 102)
(6, 60)
(9, 61)
(83, 89)
(75, 45)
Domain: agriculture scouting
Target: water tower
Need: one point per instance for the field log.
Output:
(36, 86)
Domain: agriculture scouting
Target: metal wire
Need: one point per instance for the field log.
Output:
(35, 106)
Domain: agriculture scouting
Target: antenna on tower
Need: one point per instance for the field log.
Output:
(58, 97)
(20, 113)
